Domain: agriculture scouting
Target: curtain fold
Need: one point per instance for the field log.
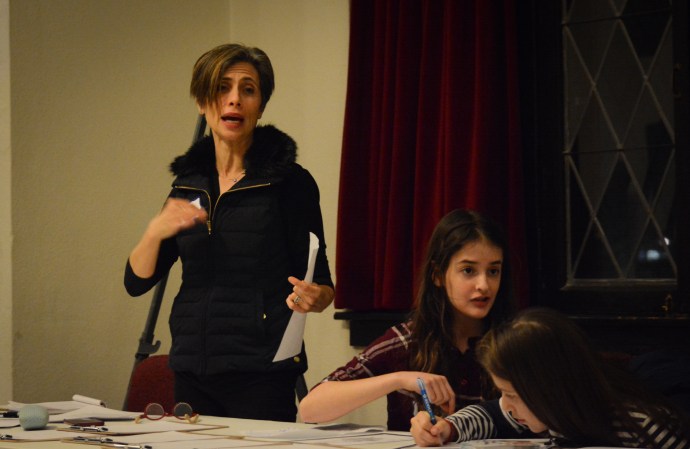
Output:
(431, 124)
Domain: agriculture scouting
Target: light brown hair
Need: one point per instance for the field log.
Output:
(209, 69)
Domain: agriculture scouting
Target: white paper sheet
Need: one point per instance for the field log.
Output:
(536, 443)
(222, 443)
(78, 401)
(314, 433)
(371, 439)
(95, 411)
(47, 434)
(148, 426)
(158, 437)
(8, 423)
(291, 344)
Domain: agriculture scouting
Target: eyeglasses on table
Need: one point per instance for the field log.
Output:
(181, 410)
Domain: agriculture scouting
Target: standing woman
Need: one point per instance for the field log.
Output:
(238, 217)
(464, 291)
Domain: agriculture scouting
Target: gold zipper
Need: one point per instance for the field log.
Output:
(213, 208)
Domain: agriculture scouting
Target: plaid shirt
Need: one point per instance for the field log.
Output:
(390, 353)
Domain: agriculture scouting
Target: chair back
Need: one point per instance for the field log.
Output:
(152, 381)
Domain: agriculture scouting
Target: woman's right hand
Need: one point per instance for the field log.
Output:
(427, 434)
(176, 215)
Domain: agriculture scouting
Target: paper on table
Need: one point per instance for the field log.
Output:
(87, 400)
(158, 437)
(220, 443)
(47, 434)
(96, 412)
(314, 433)
(147, 426)
(537, 443)
(8, 423)
(78, 401)
(291, 344)
(335, 443)
(389, 440)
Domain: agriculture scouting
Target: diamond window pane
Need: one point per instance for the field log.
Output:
(645, 32)
(595, 261)
(581, 10)
(594, 133)
(652, 259)
(621, 214)
(620, 82)
(590, 41)
(593, 171)
(619, 149)
(660, 79)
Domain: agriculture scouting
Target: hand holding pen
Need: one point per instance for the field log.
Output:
(423, 428)
(438, 389)
(425, 399)
(427, 434)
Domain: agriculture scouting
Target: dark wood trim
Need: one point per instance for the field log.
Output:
(367, 326)
(636, 334)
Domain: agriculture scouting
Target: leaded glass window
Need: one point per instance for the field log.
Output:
(619, 149)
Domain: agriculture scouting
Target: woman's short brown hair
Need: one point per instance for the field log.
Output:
(212, 65)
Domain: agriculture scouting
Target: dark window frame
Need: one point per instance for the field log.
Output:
(542, 116)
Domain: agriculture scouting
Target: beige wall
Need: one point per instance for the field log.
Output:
(5, 214)
(99, 108)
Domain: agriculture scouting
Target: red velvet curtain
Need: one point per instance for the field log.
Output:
(431, 124)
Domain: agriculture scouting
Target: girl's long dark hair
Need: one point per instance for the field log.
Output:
(432, 318)
(564, 382)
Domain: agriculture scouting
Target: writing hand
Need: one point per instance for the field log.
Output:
(427, 434)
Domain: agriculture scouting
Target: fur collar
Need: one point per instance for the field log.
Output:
(272, 153)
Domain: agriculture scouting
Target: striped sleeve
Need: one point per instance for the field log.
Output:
(662, 436)
(472, 423)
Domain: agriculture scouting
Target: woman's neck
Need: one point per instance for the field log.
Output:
(230, 157)
(464, 329)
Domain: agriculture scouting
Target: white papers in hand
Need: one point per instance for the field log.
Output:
(291, 344)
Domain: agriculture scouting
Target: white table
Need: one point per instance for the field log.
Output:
(238, 428)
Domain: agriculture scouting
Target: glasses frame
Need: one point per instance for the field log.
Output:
(190, 418)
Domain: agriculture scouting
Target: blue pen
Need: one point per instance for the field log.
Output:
(425, 398)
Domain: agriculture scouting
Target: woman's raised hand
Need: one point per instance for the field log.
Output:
(176, 215)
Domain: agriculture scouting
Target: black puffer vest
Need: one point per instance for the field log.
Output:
(230, 312)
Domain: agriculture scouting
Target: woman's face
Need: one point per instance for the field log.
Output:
(512, 403)
(473, 278)
(234, 117)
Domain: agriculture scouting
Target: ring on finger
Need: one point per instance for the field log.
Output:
(297, 299)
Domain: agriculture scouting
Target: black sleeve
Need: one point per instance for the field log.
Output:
(167, 256)
(302, 212)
